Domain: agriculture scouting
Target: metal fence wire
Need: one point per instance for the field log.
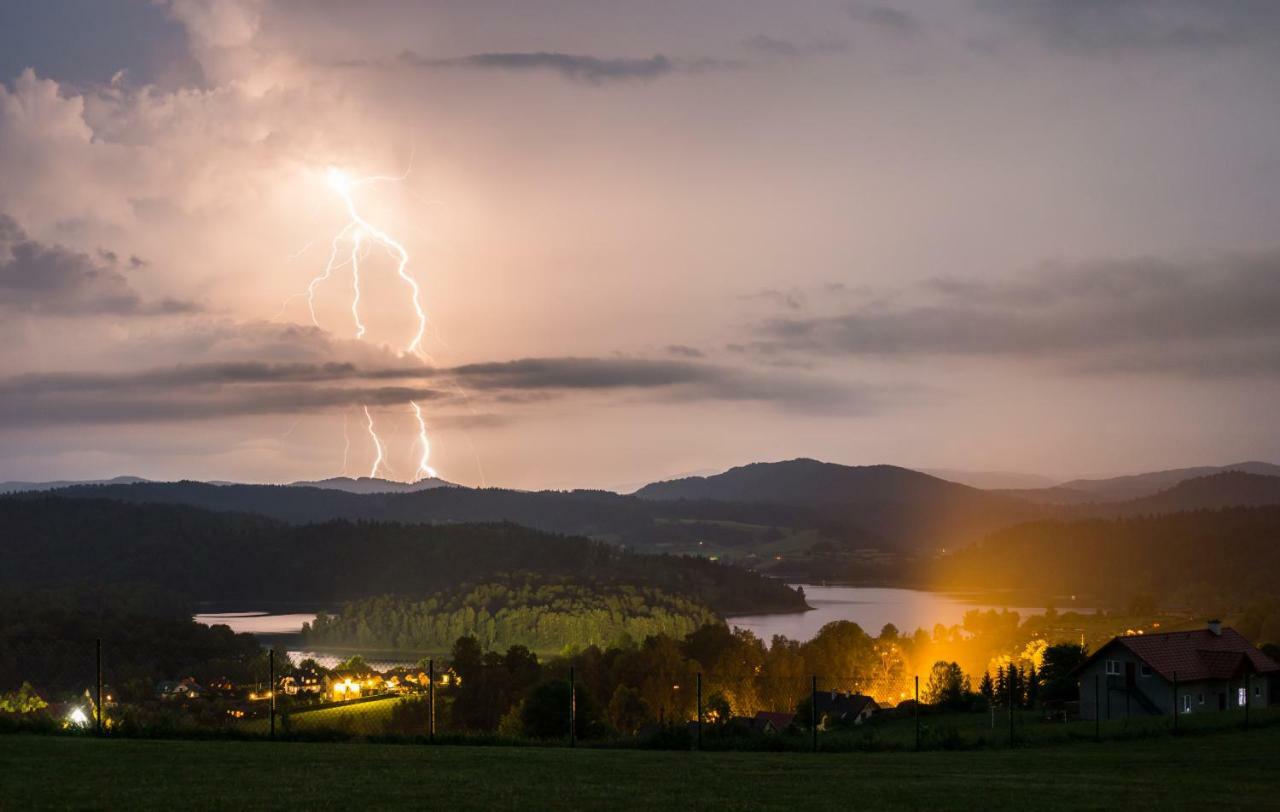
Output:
(274, 698)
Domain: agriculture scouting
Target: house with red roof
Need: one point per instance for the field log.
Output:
(1201, 671)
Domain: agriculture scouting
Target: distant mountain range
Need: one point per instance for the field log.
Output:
(363, 484)
(371, 485)
(1135, 486)
(763, 511)
(19, 487)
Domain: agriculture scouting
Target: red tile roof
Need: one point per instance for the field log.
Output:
(779, 721)
(1197, 655)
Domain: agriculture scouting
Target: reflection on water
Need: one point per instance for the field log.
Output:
(333, 660)
(257, 622)
(869, 607)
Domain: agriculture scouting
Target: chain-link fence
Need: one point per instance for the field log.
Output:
(430, 699)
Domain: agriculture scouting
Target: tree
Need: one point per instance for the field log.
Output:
(354, 663)
(1057, 671)
(546, 712)
(23, 700)
(628, 710)
(987, 688)
(1001, 687)
(465, 656)
(716, 709)
(946, 686)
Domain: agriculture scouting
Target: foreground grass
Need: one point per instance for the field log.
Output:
(1234, 770)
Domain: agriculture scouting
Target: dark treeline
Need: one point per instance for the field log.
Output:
(623, 519)
(541, 613)
(48, 639)
(1217, 560)
(51, 542)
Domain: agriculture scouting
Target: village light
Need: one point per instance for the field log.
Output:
(78, 718)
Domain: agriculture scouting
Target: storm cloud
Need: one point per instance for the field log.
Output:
(1137, 315)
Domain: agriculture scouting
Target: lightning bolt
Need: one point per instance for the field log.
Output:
(377, 444)
(361, 234)
(356, 239)
(424, 445)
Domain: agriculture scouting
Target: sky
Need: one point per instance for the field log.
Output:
(648, 239)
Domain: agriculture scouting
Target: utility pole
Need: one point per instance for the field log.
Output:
(813, 710)
(916, 711)
(431, 700)
(699, 710)
(97, 721)
(1012, 677)
(1247, 700)
(1097, 707)
(271, 689)
(573, 710)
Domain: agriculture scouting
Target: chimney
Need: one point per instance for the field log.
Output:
(1215, 626)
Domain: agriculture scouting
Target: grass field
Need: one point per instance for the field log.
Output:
(1231, 770)
(356, 718)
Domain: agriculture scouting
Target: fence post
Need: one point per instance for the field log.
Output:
(699, 710)
(271, 688)
(431, 700)
(916, 712)
(1175, 702)
(1012, 677)
(813, 711)
(573, 710)
(97, 685)
(1097, 708)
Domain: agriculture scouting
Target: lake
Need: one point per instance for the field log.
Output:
(871, 608)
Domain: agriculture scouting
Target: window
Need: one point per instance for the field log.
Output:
(1146, 670)
(1113, 668)
(1186, 703)
(1200, 699)
(1242, 697)
(1257, 689)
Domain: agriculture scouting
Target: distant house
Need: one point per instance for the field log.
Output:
(835, 708)
(180, 689)
(772, 722)
(1214, 669)
(302, 681)
(350, 683)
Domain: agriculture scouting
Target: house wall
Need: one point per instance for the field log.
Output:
(1114, 701)
(1115, 704)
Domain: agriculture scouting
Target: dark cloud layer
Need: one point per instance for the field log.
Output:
(886, 18)
(51, 280)
(1123, 26)
(1133, 316)
(571, 66)
(206, 391)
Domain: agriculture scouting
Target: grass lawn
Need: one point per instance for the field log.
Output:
(358, 717)
(1231, 770)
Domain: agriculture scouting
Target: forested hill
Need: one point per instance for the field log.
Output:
(543, 613)
(913, 510)
(1226, 558)
(52, 542)
(603, 515)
